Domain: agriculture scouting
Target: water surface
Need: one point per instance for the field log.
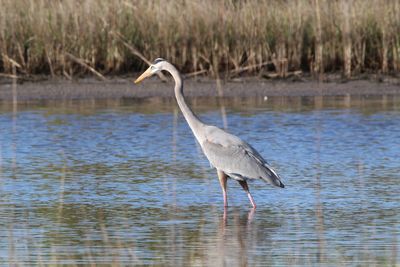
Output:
(124, 182)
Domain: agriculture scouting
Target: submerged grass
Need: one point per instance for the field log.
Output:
(226, 37)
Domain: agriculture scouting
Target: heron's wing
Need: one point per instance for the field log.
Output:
(235, 157)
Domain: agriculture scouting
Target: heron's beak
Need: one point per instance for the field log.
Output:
(144, 75)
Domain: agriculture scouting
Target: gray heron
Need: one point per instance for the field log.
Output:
(227, 153)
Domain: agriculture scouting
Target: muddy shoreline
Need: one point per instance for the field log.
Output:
(124, 88)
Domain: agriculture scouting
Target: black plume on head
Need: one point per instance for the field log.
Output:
(158, 60)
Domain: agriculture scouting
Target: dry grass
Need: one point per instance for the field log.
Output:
(214, 37)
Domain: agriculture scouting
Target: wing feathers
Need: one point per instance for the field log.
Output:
(236, 158)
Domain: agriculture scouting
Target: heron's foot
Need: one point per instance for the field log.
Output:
(225, 216)
(250, 216)
(246, 189)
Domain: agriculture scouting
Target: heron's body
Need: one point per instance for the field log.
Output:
(226, 152)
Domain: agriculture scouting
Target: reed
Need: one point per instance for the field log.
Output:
(78, 37)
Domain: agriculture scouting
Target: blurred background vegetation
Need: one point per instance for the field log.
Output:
(225, 37)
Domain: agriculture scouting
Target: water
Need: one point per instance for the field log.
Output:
(124, 182)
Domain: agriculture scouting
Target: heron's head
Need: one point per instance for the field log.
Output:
(155, 67)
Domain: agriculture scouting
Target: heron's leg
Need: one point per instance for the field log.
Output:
(222, 180)
(246, 188)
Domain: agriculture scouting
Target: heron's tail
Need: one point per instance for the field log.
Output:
(272, 177)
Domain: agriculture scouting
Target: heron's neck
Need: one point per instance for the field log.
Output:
(194, 122)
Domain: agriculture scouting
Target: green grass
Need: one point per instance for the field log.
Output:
(216, 37)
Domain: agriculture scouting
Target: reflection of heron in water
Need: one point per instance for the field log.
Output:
(231, 156)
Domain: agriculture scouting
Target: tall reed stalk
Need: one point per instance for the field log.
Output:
(74, 37)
